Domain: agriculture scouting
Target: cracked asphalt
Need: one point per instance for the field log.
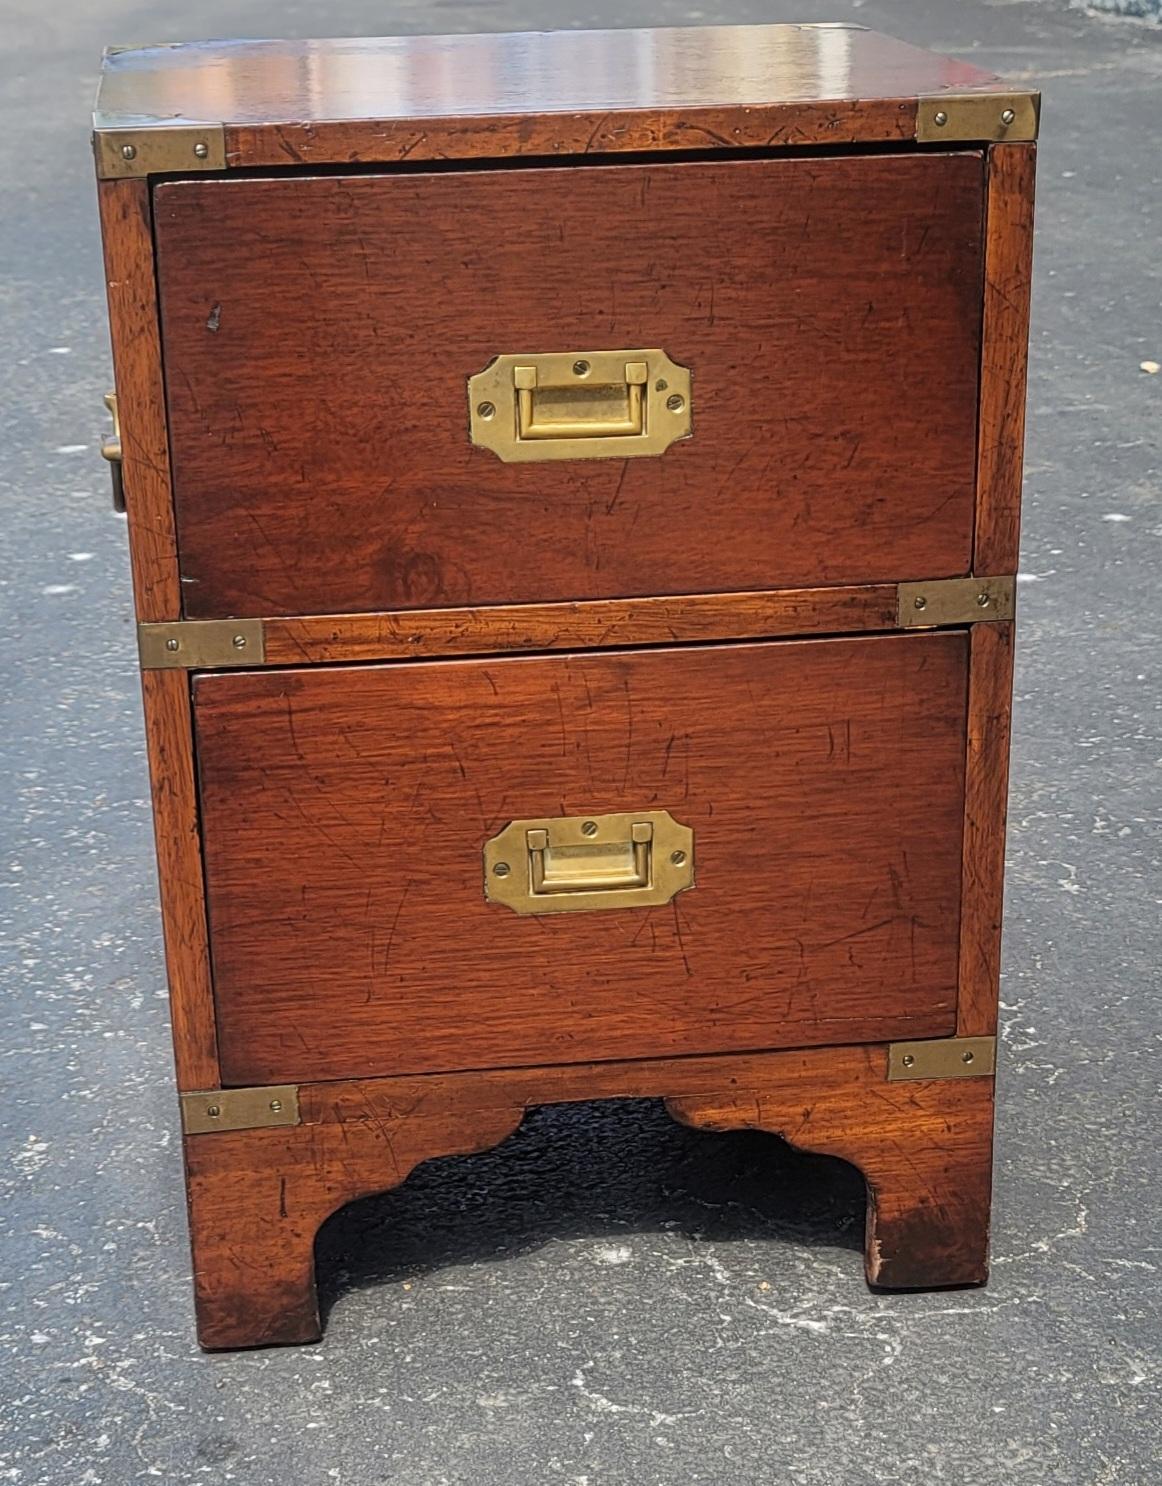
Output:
(608, 1299)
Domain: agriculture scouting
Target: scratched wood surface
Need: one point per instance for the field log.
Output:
(543, 93)
(177, 835)
(830, 310)
(258, 1197)
(127, 234)
(345, 810)
(430, 633)
(990, 691)
(1008, 283)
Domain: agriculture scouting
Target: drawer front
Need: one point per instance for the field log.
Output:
(346, 811)
(319, 334)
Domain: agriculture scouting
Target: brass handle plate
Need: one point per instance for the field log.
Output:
(583, 863)
(579, 405)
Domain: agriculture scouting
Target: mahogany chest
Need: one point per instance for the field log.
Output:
(573, 488)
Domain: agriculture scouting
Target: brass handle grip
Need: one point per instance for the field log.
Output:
(575, 864)
(592, 867)
(579, 405)
(111, 450)
(584, 410)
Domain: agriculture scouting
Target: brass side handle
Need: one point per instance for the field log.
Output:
(111, 450)
(582, 863)
(579, 405)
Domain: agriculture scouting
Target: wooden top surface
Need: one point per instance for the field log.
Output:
(554, 92)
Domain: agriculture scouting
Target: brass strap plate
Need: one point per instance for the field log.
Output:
(583, 863)
(579, 405)
(985, 117)
(201, 644)
(212, 1110)
(942, 1057)
(164, 149)
(954, 601)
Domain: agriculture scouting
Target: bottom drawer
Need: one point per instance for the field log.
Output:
(346, 809)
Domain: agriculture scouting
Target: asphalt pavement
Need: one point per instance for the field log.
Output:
(608, 1299)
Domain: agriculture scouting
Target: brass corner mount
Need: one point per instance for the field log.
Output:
(986, 118)
(158, 149)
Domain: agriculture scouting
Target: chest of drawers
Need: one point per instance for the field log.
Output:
(573, 487)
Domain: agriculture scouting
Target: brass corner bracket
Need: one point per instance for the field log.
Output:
(942, 1057)
(209, 1111)
(158, 149)
(977, 117)
(200, 644)
(940, 601)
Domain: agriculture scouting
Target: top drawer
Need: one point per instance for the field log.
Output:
(319, 332)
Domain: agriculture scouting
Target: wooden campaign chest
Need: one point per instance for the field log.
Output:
(573, 488)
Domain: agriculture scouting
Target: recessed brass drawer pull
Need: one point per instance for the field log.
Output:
(579, 863)
(579, 405)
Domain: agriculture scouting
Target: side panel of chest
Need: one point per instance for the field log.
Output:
(346, 809)
(319, 332)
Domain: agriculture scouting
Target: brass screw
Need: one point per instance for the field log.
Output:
(1007, 117)
(239, 642)
(940, 119)
(967, 1057)
(502, 869)
(675, 402)
(171, 644)
(983, 599)
(589, 828)
(486, 409)
(908, 1059)
(580, 368)
(921, 602)
(214, 1110)
(201, 150)
(128, 152)
(677, 857)
(661, 384)
(276, 1106)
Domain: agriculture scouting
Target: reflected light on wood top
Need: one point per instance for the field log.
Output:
(479, 76)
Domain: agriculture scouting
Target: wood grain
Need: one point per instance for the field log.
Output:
(430, 633)
(833, 122)
(127, 232)
(985, 807)
(345, 812)
(169, 744)
(925, 1150)
(321, 457)
(1004, 356)
(541, 94)
(257, 1197)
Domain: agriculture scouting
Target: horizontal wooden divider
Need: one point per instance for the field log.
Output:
(581, 625)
